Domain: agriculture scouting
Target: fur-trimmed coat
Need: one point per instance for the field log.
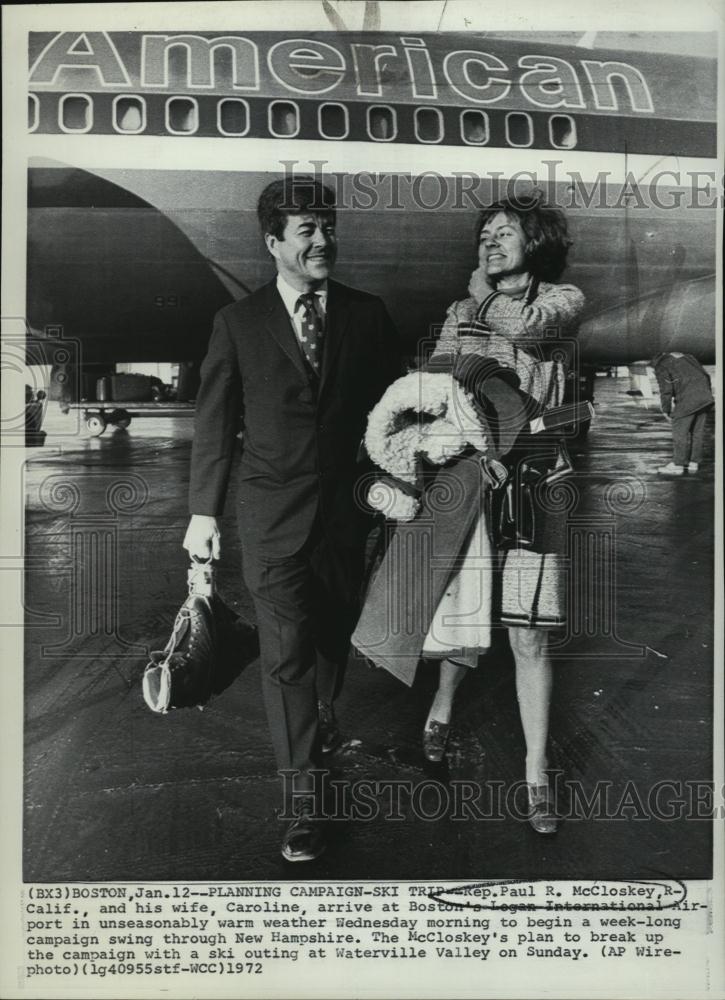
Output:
(423, 552)
(534, 339)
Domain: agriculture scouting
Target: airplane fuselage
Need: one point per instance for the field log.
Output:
(134, 253)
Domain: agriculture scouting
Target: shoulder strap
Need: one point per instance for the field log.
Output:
(485, 305)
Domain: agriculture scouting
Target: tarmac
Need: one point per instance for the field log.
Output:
(114, 792)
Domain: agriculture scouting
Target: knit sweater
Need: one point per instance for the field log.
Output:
(555, 308)
(519, 336)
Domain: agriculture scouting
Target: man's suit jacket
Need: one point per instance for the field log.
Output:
(301, 433)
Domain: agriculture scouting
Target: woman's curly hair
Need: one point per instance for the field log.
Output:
(544, 227)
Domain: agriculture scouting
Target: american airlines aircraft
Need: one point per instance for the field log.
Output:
(416, 131)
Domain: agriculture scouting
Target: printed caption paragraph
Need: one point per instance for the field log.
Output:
(131, 931)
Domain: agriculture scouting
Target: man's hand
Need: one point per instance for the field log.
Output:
(480, 286)
(202, 537)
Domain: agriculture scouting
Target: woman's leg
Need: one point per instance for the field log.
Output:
(451, 675)
(530, 647)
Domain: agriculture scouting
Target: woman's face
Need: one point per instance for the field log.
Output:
(502, 248)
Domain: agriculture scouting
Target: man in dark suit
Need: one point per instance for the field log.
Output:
(303, 360)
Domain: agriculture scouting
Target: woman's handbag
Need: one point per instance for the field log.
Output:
(182, 674)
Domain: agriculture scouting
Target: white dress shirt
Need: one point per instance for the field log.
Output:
(295, 309)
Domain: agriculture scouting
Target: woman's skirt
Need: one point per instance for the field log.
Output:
(514, 587)
(441, 585)
(461, 625)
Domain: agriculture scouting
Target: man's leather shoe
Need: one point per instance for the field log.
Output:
(304, 839)
(330, 736)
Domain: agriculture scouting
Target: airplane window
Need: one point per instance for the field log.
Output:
(562, 131)
(284, 119)
(76, 113)
(428, 125)
(382, 126)
(519, 129)
(32, 112)
(233, 116)
(182, 115)
(129, 114)
(474, 127)
(333, 122)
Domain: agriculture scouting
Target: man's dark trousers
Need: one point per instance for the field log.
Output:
(688, 437)
(306, 607)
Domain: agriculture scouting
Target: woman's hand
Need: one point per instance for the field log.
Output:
(480, 286)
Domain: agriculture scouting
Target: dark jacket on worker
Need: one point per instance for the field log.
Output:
(685, 382)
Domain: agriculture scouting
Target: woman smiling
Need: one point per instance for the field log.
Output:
(517, 314)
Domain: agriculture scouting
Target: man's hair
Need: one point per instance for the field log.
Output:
(544, 227)
(293, 196)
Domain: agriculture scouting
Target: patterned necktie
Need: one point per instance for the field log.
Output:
(312, 331)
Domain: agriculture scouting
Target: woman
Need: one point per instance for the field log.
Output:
(522, 251)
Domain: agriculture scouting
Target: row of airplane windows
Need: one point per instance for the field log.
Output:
(181, 117)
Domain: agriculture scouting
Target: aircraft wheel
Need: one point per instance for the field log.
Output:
(96, 425)
(120, 418)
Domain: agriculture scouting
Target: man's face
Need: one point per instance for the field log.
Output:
(306, 251)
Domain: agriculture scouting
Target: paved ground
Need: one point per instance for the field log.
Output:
(113, 792)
